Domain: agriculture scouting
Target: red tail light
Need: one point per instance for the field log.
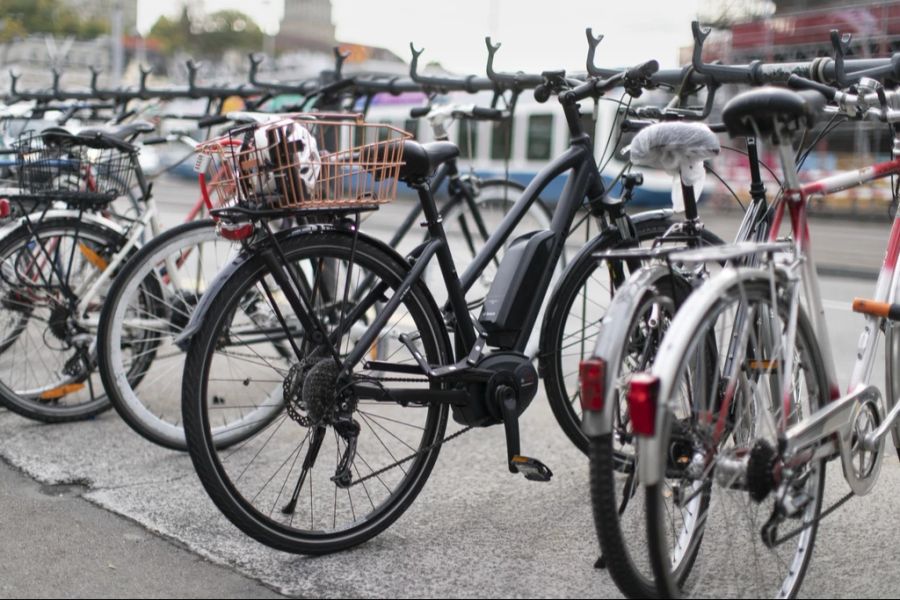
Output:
(642, 398)
(4, 208)
(236, 232)
(592, 375)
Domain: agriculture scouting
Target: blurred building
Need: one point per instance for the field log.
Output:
(306, 25)
(800, 30)
(306, 41)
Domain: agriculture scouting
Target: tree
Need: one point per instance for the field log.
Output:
(21, 17)
(172, 34)
(207, 36)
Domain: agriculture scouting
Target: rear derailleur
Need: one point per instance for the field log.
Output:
(314, 399)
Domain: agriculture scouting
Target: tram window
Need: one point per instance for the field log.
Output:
(467, 139)
(501, 139)
(540, 137)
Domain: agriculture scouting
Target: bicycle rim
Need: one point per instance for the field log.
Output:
(266, 484)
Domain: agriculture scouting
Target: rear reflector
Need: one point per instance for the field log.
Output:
(591, 374)
(235, 232)
(4, 208)
(642, 398)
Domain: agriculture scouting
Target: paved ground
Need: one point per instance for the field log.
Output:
(58, 544)
(475, 531)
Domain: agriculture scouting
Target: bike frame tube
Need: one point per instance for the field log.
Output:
(579, 182)
(436, 181)
(577, 154)
(374, 330)
(886, 287)
(578, 159)
(91, 287)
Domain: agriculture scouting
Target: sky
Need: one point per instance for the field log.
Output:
(536, 34)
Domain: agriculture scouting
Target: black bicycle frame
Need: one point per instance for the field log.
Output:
(449, 172)
(583, 182)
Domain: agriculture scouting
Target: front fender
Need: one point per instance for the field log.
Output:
(223, 278)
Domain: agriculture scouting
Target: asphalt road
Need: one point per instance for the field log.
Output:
(475, 531)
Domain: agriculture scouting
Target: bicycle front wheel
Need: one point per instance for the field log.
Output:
(148, 306)
(301, 483)
(572, 323)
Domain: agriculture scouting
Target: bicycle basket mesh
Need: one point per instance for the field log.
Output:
(306, 161)
(62, 166)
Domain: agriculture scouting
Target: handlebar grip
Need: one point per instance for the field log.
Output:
(800, 83)
(150, 141)
(419, 111)
(487, 114)
(212, 120)
(643, 70)
(541, 93)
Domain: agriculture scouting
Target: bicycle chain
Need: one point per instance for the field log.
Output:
(396, 464)
(771, 541)
(437, 444)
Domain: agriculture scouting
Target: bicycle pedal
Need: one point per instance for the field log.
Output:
(531, 468)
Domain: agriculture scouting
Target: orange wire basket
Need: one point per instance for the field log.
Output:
(303, 161)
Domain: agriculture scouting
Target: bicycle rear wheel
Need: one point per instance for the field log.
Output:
(720, 435)
(290, 486)
(48, 367)
(619, 511)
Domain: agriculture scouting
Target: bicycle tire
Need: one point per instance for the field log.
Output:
(30, 402)
(220, 485)
(608, 463)
(563, 401)
(150, 411)
(751, 290)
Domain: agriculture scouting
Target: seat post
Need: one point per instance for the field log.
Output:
(434, 224)
(690, 202)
